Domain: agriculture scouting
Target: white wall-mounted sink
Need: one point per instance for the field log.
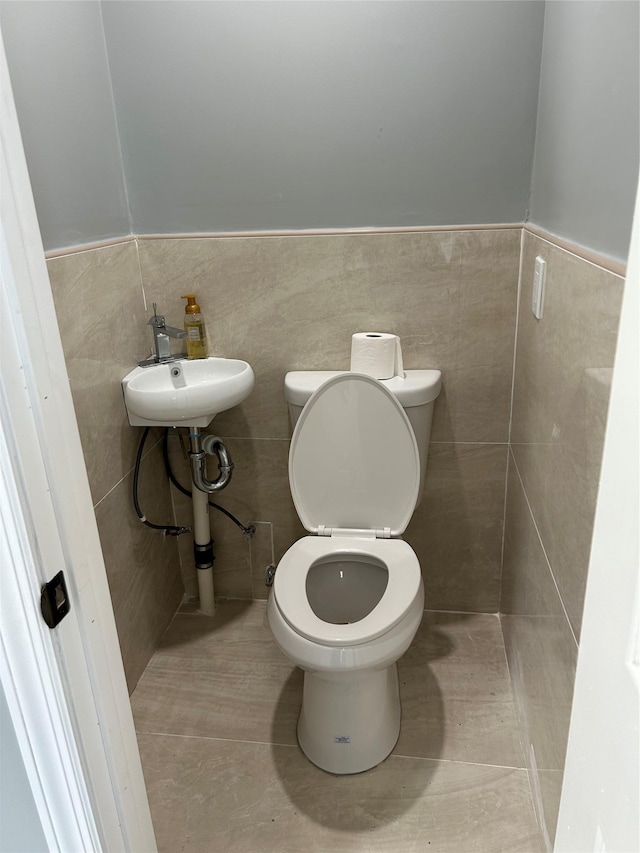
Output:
(182, 393)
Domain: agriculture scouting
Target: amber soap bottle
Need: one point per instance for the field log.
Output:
(195, 329)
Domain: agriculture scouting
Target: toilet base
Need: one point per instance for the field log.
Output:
(350, 721)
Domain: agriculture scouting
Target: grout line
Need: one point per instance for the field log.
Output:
(459, 761)
(393, 755)
(536, 797)
(465, 612)
(539, 817)
(473, 443)
(125, 475)
(143, 292)
(273, 550)
(516, 703)
(544, 551)
(287, 440)
(223, 739)
(263, 601)
(513, 386)
(515, 336)
(254, 438)
(504, 528)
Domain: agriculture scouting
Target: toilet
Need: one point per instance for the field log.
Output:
(347, 601)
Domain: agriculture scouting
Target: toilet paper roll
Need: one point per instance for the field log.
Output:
(377, 354)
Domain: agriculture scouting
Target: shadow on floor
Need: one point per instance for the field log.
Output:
(360, 794)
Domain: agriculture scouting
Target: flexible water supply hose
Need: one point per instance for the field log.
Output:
(167, 529)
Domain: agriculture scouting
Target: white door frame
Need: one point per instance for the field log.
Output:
(65, 687)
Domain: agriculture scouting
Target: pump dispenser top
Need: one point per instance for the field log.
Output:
(192, 306)
(194, 327)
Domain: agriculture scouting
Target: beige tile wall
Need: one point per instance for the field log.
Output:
(561, 390)
(286, 303)
(100, 310)
(292, 303)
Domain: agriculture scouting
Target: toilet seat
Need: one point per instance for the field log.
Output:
(290, 589)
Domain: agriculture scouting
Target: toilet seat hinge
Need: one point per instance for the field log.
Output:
(355, 532)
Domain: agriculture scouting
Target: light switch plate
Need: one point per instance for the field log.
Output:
(537, 297)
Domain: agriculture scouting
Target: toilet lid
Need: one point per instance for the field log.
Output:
(354, 460)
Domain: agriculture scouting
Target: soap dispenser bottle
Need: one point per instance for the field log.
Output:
(194, 327)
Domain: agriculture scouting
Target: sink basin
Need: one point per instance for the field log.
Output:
(182, 393)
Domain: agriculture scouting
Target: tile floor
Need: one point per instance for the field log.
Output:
(216, 713)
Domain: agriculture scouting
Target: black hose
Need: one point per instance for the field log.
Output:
(248, 531)
(167, 529)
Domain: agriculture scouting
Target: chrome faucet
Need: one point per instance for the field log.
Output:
(161, 340)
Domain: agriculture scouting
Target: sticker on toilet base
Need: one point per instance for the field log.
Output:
(342, 739)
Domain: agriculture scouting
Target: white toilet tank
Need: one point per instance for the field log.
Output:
(416, 393)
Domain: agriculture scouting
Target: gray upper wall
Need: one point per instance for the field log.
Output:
(585, 170)
(60, 79)
(292, 115)
(271, 115)
(285, 115)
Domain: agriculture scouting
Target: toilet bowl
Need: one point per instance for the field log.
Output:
(347, 643)
(346, 603)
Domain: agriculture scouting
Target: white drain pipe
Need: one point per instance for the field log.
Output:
(202, 539)
(202, 488)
